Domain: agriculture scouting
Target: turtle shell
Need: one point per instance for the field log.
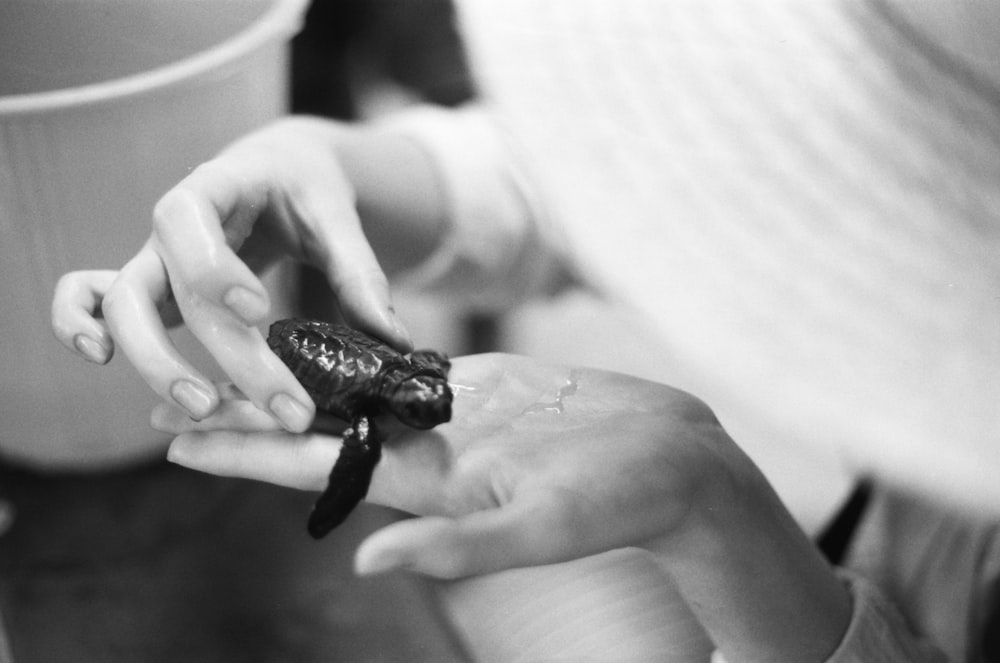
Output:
(345, 371)
(354, 376)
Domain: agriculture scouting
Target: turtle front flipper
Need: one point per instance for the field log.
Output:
(349, 478)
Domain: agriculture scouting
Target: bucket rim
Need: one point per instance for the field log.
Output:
(282, 19)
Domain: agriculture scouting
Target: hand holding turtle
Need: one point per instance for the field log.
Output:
(282, 192)
(527, 472)
(543, 464)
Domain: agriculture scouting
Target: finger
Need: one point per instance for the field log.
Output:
(245, 357)
(191, 237)
(353, 271)
(296, 461)
(76, 314)
(218, 295)
(525, 533)
(236, 415)
(130, 309)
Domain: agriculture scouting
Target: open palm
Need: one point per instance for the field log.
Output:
(540, 463)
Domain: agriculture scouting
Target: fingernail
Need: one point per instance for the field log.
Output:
(293, 415)
(194, 398)
(248, 305)
(93, 350)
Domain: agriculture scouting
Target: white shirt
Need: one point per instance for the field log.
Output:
(802, 197)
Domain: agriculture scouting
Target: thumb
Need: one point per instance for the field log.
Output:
(515, 535)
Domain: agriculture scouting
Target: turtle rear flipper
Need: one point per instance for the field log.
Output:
(349, 478)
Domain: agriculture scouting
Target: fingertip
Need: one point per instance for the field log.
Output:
(362, 290)
(384, 323)
(93, 350)
(428, 546)
(75, 314)
(371, 562)
(381, 552)
(179, 451)
(201, 451)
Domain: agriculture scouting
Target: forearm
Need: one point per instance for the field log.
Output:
(755, 581)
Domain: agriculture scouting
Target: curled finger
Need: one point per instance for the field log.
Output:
(131, 311)
(77, 315)
(197, 225)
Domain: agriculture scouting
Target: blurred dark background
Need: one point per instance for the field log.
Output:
(350, 46)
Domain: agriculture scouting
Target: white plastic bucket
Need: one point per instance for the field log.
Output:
(104, 104)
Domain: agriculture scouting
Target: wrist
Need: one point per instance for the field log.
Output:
(754, 579)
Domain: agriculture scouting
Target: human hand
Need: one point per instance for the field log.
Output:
(545, 464)
(277, 193)
(539, 464)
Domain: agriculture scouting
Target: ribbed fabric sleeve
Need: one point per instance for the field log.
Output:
(799, 195)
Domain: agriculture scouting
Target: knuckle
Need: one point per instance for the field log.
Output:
(67, 282)
(187, 194)
(113, 300)
(174, 203)
(62, 297)
(164, 209)
(72, 285)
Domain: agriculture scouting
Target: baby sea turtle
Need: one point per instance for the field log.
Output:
(356, 377)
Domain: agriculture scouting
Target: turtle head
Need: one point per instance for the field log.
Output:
(422, 401)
